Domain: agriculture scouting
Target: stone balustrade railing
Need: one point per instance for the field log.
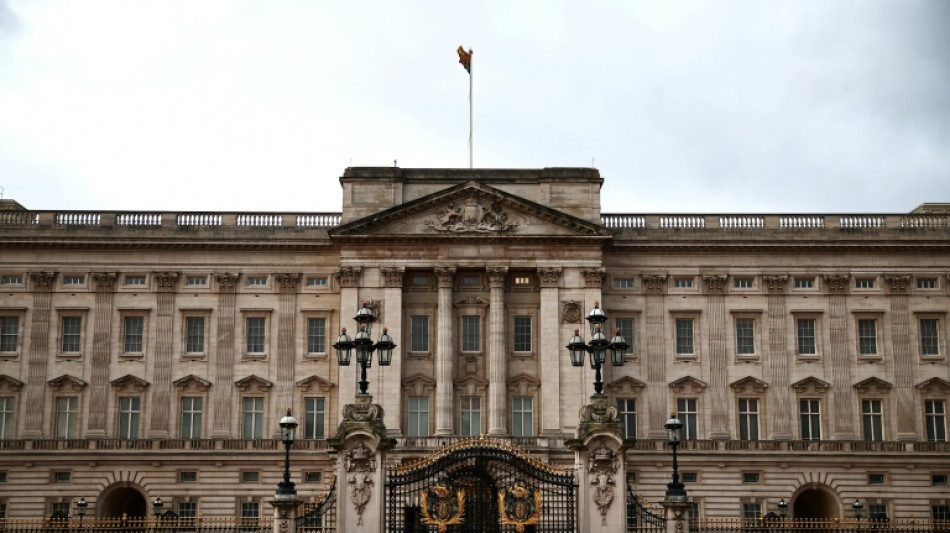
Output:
(147, 219)
(774, 222)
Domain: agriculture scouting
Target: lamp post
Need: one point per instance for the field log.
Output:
(597, 347)
(288, 426)
(81, 509)
(782, 508)
(675, 491)
(364, 345)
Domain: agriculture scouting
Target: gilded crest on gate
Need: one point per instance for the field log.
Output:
(441, 507)
(519, 506)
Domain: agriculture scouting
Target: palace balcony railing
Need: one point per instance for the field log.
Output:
(153, 219)
(752, 222)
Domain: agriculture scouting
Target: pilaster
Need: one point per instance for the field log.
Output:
(445, 355)
(390, 378)
(99, 362)
(777, 357)
(166, 283)
(497, 362)
(840, 358)
(41, 284)
(286, 336)
(222, 356)
(550, 351)
(718, 356)
(655, 360)
(903, 358)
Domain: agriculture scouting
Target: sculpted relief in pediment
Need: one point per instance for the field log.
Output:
(473, 216)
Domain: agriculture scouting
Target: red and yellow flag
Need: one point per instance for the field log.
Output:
(465, 59)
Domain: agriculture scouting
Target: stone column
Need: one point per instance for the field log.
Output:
(778, 368)
(676, 516)
(445, 356)
(222, 356)
(904, 360)
(285, 357)
(390, 378)
(549, 351)
(601, 468)
(167, 283)
(285, 514)
(839, 360)
(98, 406)
(656, 355)
(497, 360)
(349, 278)
(718, 356)
(41, 284)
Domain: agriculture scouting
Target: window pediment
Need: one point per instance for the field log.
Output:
(66, 383)
(253, 383)
(688, 385)
(418, 385)
(471, 386)
(749, 384)
(625, 386)
(523, 385)
(129, 383)
(9, 384)
(192, 383)
(811, 385)
(315, 383)
(934, 386)
(873, 385)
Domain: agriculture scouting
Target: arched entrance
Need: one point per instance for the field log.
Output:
(121, 500)
(815, 502)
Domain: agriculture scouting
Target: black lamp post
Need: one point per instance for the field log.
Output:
(675, 491)
(364, 345)
(288, 426)
(857, 506)
(598, 347)
(782, 508)
(81, 509)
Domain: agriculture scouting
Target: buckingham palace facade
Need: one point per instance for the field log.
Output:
(147, 354)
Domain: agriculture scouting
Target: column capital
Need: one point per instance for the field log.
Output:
(496, 276)
(654, 283)
(104, 281)
(226, 281)
(445, 275)
(836, 283)
(166, 281)
(593, 277)
(775, 284)
(287, 282)
(349, 276)
(715, 283)
(897, 283)
(393, 276)
(42, 281)
(549, 277)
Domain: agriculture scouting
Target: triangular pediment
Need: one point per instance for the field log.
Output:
(470, 209)
(315, 383)
(523, 385)
(471, 386)
(192, 382)
(811, 385)
(873, 385)
(129, 382)
(418, 385)
(749, 384)
(9, 384)
(253, 383)
(934, 386)
(625, 386)
(67, 383)
(688, 384)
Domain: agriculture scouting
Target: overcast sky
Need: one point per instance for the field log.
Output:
(717, 106)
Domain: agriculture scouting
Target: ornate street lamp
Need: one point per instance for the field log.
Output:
(857, 506)
(598, 347)
(782, 508)
(364, 345)
(81, 509)
(675, 491)
(288, 426)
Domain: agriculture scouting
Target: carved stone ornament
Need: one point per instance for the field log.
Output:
(599, 415)
(349, 276)
(393, 276)
(775, 283)
(443, 506)
(570, 312)
(715, 284)
(472, 217)
(445, 276)
(226, 282)
(42, 281)
(287, 281)
(837, 283)
(166, 281)
(654, 283)
(104, 281)
(602, 467)
(519, 506)
(897, 283)
(549, 277)
(360, 464)
(593, 277)
(496, 276)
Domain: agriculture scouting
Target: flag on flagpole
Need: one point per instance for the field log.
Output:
(465, 59)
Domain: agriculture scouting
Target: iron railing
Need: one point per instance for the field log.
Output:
(228, 524)
(320, 517)
(643, 517)
(816, 525)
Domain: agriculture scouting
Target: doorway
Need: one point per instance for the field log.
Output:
(121, 500)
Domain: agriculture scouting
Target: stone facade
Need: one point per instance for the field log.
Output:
(152, 354)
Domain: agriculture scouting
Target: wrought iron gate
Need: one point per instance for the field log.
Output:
(640, 518)
(481, 486)
(321, 516)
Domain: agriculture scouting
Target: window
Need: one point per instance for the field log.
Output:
(71, 334)
(938, 479)
(935, 418)
(471, 333)
(316, 335)
(929, 336)
(419, 333)
(317, 282)
(315, 423)
(130, 409)
(187, 509)
(522, 281)
(74, 280)
(312, 477)
(256, 281)
(471, 416)
(682, 283)
(9, 334)
(877, 511)
(250, 477)
(940, 512)
(690, 477)
(418, 416)
(11, 280)
(751, 511)
(67, 417)
(625, 325)
(522, 333)
(687, 413)
(872, 420)
(745, 336)
(742, 283)
(196, 281)
(62, 477)
(191, 409)
(3, 476)
(471, 280)
(627, 407)
(59, 509)
(189, 476)
(250, 510)
(253, 418)
(926, 283)
(522, 416)
(804, 283)
(256, 333)
(194, 334)
(867, 336)
(420, 281)
(133, 329)
(623, 283)
(135, 280)
(684, 336)
(805, 328)
(875, 479)
(864, 283)
(748, 419)
(809, 411)
(7, 409)
(750, 477)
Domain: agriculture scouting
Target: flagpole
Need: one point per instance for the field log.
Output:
(470, 161)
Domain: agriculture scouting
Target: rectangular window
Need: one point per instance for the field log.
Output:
(471, 280)
(684, 336)
(194, 334)
(522, 416)
(67, 417)
(471, 416)
(256, 281)
(316, 335)
(751, 511)
(627, 407)
(867, 336)
(689, 477)
(74, 280)
(940, 512)
(256, 334)
(191, 410)
(522, 281)
(250, 477)
(195, 281)
(938, 479)
(742, 283)
(745, 336)
(748, 419)
(130, 409)
(872, 420)
(750, 477)
(419, 333)
(71, 334)
(7, 409)
(420, 281)
(62, 477)
(9, 334)
(253, 418)
(316, 282)
(250, 510)
(522, 333)
(687, 413)
(864, 283)
(926, 283)
(132, 333)
(929, 336)
(135, 280)
(12, 280)
(312, 477)
(189, 476)
(877, 511)
(682, 283)
(187, 509)
(804, 283)
(625, 325)
(806, 336)
(875, 479)
(935, 420)
(471, 333)
(418, 416)
(315, 424)
(810, 413)
(623, 283)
